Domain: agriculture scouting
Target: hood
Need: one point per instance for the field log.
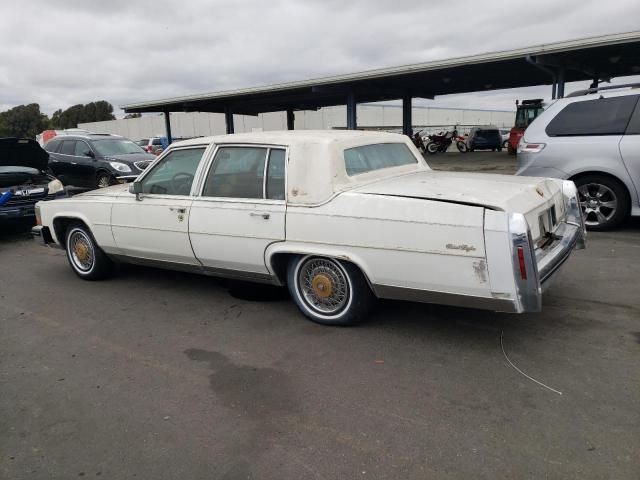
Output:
(132, 157)
(22, 152)
(112, 191)
(530, 196)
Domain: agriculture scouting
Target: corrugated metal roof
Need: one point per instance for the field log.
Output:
(384, 83)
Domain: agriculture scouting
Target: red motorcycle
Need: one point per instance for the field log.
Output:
(443, 140)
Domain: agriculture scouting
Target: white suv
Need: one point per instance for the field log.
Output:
(593, 138)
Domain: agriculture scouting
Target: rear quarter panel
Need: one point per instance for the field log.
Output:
(402, 242)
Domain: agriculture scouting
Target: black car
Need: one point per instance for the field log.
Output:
(24, 179)
(96, 160)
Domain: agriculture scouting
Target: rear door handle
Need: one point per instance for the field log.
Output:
(260, 214)
(179, 210)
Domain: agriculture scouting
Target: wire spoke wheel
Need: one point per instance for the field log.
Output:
(324, 285)
(599, 203)
(81, 251)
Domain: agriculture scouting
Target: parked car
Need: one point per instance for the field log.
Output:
(340, 217)
(151, 145)
(593, 138)
(484, 138)
(96, 160)
(504, 133)
(157, 145)
(24, 179)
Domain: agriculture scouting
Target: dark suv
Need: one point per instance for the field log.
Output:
(96, 160)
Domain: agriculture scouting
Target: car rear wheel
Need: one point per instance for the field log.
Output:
(328, 291)
(104, 180)
(86, 258)
(604, 201)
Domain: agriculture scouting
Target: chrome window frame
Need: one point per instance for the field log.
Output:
(262, 201)
(147, 171)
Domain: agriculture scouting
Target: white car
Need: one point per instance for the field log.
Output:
(340, 217)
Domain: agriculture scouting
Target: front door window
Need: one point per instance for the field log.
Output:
(174, 174)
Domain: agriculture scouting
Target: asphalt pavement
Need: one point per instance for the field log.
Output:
(163, 375)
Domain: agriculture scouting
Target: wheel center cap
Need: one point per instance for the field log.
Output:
(322, 285)
(82, 252)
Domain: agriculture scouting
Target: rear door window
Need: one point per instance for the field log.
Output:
(52, 145)
(237, 172)
(68, 147)
(602, 116)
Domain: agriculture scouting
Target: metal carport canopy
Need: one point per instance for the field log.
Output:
(591, 58)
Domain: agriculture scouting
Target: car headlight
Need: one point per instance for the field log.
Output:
(121, 167)
(55, 186)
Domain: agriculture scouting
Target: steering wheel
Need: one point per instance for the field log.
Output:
(181, 183)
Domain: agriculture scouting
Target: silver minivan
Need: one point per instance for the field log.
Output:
(593, 138)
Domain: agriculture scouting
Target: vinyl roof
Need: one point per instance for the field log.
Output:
(583, 59)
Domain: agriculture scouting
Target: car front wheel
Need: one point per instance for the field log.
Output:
(86, 258)
(104, 180)
(328, 291)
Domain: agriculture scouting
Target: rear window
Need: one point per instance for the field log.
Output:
(367, 158)
(52, 145)
(487, 133)
(603, 116)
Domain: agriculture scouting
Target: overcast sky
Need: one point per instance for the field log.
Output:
(75, 51)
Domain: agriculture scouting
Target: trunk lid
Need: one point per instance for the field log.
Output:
(539, 199)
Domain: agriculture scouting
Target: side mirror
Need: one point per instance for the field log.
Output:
(89, 153)
(136, 189)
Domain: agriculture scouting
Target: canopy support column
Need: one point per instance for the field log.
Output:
(407, 123)
(167, 125)
(228, 119)
(352, 122)
(290, 120)
(561, 83)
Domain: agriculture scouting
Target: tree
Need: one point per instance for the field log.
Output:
(23, 121)
(91, 112)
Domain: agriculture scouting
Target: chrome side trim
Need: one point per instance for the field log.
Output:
(445, 298)
(199, 269)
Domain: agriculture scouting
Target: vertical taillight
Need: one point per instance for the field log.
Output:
(523, 266)
(38, 217)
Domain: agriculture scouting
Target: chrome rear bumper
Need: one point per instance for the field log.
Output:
(533, 267)
(567, 237)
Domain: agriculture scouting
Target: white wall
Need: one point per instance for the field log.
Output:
(369, 115)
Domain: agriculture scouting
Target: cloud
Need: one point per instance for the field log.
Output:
(63, 53)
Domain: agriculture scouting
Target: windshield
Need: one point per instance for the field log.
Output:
(116, 146)
(524, 116)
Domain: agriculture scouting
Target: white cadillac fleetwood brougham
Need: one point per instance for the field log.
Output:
(339, 217)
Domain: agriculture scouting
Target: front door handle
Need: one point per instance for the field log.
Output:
(179, 210)
(260, 214)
